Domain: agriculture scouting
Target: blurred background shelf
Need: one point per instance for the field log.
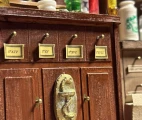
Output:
(131, 44)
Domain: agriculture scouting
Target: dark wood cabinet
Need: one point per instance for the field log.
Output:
(97, 84)
(19, 89)
(27, 85)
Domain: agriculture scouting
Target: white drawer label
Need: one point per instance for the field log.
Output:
(134, 68)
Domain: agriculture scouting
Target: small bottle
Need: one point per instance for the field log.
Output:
(85, 6)
(112, 7)
(128, 28)
(73, 5)
(76, 5)
(94, 6)
(68, 5)
(4, 3)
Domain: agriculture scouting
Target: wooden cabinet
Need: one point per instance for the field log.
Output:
(19, 89)
(97, 84)
(131, 52)
(27, 82)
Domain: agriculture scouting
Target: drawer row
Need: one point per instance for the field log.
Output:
(52, 43)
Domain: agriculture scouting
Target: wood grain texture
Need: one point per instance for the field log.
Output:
(98, 90)
(14, 85)
(131, 45)
(19, 93)
(65, 35)
(31, 25)
(26, 15)
(116, 70)
(36, 36)
(20, 38)
(91, 41)
(86, 81)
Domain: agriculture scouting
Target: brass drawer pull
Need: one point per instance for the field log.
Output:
(139, 57)
(86, 98)
(14, 33)
(38, 101)
(101, 37)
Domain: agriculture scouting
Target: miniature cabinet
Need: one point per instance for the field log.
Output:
(131, 73)
(27, 85)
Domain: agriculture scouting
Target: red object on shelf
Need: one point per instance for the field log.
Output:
(94, 6)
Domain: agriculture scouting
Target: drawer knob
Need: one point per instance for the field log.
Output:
(74, 36)
(38, 101)
(101, 37)
(86, 98)
(46, 35)
(14, 33)
(139, 57)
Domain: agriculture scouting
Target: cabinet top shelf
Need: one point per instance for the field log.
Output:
(27, 15)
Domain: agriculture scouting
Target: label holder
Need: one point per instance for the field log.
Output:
(74, 51)
(46, 50)
(14, 51)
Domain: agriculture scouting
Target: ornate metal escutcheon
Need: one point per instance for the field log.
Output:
(65, 98)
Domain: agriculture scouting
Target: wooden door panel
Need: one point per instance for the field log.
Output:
(50, 76)
(19, 98)
(19, 89)
(98, 84)
(98, 92)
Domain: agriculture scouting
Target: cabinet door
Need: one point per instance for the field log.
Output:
(50, 76)
(18, 94)
(97, 83)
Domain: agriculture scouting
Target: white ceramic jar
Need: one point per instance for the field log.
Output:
(128, 28)
(49, 5)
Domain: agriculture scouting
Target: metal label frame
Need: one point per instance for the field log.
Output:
(52, 46)
(21, 46)
(103, 56)
(72, 47)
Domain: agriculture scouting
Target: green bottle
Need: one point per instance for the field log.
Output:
(73, 5)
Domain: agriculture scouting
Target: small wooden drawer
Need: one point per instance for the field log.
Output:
(37, 35)
(65, 38)
(132, 58)
(20, 37)
(92, 40)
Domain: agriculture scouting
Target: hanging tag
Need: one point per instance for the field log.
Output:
(46, 50)
(101, 52)
(14, 51)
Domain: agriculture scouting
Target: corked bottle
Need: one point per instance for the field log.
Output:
(4, 3)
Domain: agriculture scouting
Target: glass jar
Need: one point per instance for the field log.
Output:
(128, 28)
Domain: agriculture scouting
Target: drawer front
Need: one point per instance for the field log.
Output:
(132, 58)
(21, 37)
(92, 34)
(31, 35)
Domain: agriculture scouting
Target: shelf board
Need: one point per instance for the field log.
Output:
(27, 15)
(131, 44)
